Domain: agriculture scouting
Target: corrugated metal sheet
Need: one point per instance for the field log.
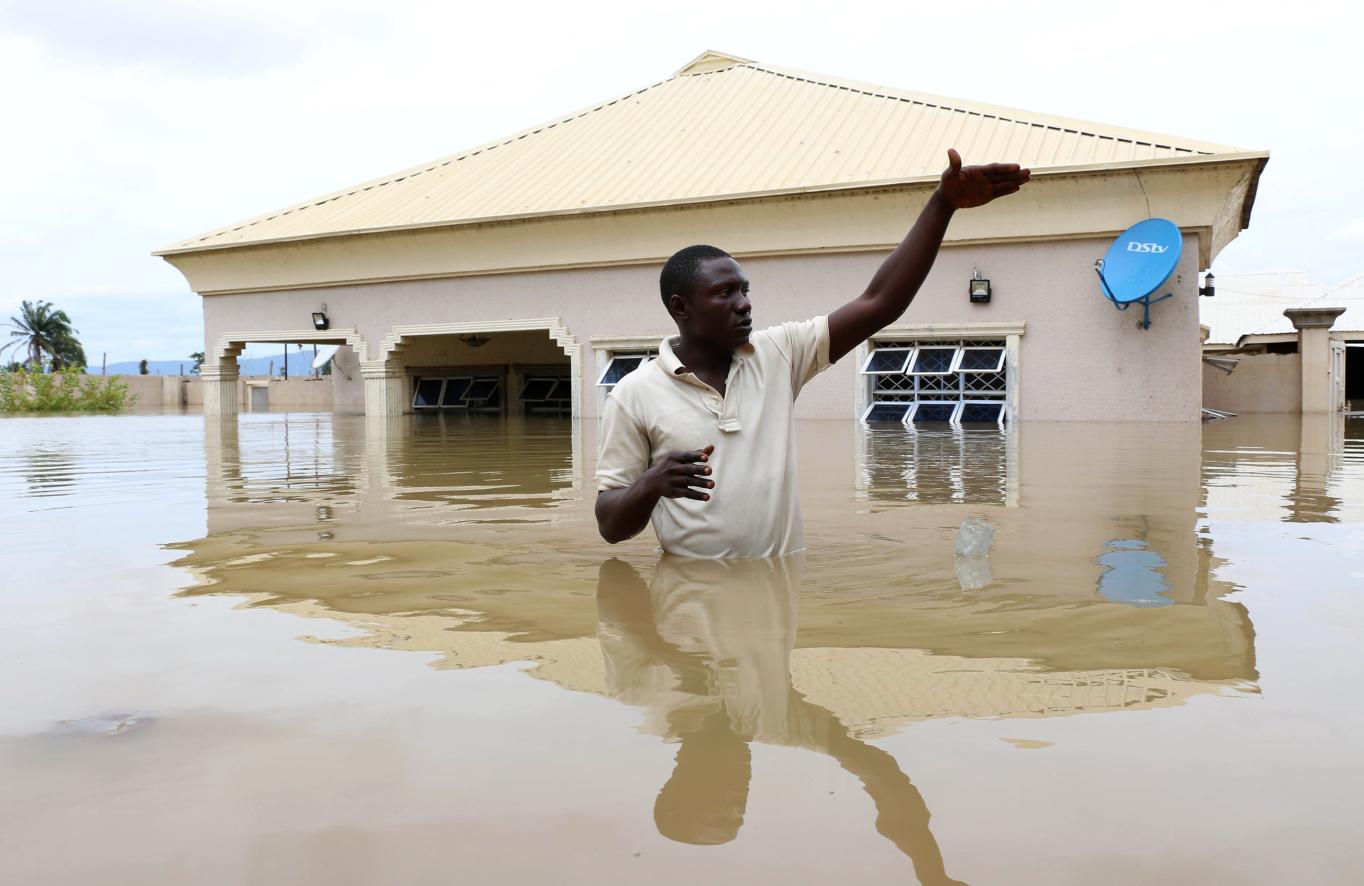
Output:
(1253, 304)
(720, 127)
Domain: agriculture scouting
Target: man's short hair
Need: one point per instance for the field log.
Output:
(680, 270)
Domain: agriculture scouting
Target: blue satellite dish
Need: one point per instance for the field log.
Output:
(1139, 263)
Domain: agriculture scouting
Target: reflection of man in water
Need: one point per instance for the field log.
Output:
(713, 414)
(705, 653)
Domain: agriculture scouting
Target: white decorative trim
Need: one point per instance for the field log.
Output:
(553, 325)
(950, 330)
(231, 344)
(391, 345)
(628, 342)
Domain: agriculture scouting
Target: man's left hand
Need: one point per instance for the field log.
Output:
(964, 187)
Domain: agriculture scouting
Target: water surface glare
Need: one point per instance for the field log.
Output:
(298, 648)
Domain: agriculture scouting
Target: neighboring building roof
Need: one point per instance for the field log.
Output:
(1253, 304)
(721, 127)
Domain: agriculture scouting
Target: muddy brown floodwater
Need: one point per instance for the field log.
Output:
(315, 649)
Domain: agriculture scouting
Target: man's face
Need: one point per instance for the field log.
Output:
(718, 310)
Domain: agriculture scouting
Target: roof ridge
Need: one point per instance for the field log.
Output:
(1348, 281)
(924, 100)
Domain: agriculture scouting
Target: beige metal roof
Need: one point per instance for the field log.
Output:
(720, 127)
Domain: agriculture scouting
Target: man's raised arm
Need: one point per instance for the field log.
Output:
(900, 276)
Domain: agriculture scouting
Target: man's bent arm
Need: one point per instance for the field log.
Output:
(623, 513)
(898, 279)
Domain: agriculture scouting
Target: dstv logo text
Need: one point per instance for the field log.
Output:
(1134, 246)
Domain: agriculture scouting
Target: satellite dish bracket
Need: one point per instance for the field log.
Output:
(1145, 301)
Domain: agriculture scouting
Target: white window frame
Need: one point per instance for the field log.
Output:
(416, 392)
(871, 355)
(870, 406)
(553, 380)
(1010, 331)
(622, 355)
(497, 389)
(914, 410)
(956, 355)
(961, 407)
(961, 358)
(446, 384)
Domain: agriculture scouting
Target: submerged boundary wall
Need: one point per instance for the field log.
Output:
(173, 391)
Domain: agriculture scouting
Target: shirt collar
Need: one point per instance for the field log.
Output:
(673, 366)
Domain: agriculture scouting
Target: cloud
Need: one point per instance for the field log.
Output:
(177, 36)
(1351, 232)
(135, 124)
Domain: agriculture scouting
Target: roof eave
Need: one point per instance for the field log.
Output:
(872, 185)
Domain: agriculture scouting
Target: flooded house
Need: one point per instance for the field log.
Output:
(521, 276)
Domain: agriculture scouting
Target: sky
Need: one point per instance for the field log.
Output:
(132, 125)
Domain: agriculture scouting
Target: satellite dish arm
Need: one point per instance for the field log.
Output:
(1103, 284)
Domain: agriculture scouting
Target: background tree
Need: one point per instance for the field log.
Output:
(142, 366)
(42, 334)
(198, 358)
(68, 354)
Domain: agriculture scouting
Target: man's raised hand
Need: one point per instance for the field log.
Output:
(683, 475)
(966, 186)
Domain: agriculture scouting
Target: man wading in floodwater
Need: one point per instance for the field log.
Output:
(701, 438)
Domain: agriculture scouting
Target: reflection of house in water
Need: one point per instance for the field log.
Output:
(414, 550)
(941, 466)
(1285, 468)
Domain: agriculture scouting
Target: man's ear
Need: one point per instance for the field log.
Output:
(678, 307)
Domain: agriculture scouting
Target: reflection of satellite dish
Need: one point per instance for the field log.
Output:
(1138, 264)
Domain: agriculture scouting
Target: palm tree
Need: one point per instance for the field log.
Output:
(42, 332)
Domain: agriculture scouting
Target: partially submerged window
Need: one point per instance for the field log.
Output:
(562, 391)
(460, 392)
(537, 390)
(480, 392)
(621, 364)
(990, 412)
(937, 382)
(887, 412)
(428, 393)
(453, 398)
(933, 412)
(547, 395)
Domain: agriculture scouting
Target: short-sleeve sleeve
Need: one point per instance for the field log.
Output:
(624, 448)
(805, 345)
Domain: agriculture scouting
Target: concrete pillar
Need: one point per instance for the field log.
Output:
(1314, 347)
(385, 387)
(220, 387)
(512, 389)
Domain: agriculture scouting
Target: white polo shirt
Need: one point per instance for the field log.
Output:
(754, 509)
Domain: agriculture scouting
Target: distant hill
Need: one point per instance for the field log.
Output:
(300, 364)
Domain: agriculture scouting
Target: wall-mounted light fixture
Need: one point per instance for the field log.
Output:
(474, 340)
(1209, 287)
(320, 319)
(979, 288)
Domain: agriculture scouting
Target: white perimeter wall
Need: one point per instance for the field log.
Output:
(1080, 359)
